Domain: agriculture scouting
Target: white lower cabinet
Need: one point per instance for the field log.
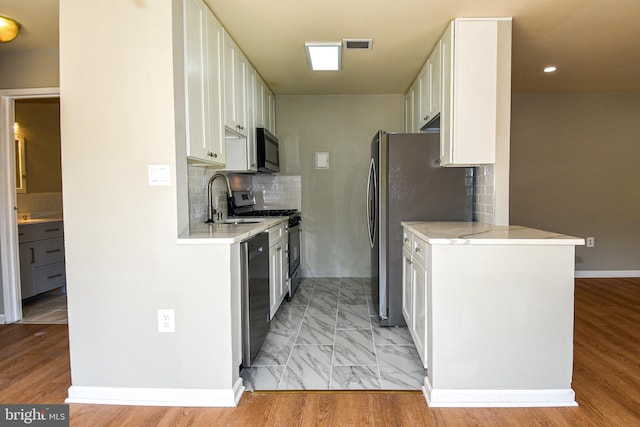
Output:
(414, 291)
(278, 262)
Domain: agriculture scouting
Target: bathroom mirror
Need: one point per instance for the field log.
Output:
(21, 169)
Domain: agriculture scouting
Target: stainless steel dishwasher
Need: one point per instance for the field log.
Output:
(254, 258)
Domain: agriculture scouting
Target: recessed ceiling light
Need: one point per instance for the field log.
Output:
(550, 69)
(324, 56)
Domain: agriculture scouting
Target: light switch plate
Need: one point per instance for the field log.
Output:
(322, 160)
(159, 175)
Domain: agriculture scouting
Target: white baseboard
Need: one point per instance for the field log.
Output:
(156, 396)
(497, 398)
(599, 274)
(3, 319)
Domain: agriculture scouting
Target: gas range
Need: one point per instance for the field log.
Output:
(243, 204)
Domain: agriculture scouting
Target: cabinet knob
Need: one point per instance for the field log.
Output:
(426, 118)
(409, 261)
(406, 239)
(417, 249)
(215, 156)
(209, 153)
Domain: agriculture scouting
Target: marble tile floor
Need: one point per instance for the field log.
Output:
(47, 308)
(326, 338)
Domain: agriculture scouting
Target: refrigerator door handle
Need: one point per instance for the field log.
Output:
(371, 222)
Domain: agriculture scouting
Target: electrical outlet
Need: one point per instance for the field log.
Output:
(591, 242)
(166, 320)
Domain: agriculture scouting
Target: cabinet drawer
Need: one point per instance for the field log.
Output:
(277, 232)
(49, 251)
(31, 232)
(420, 250)
(407, 239)
(50, 277)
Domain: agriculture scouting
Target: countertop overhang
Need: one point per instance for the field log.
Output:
(227, 234)
(478, 233)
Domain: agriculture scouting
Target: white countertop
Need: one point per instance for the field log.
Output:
(226, 234)
(477, 233)
(37, 220)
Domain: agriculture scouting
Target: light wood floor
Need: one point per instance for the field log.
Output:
(34, 368)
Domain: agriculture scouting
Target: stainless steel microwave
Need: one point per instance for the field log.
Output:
(267, 151)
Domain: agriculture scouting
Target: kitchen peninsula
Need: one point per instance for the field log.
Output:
(491, 310)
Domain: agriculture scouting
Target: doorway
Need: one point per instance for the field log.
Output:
(11, 296)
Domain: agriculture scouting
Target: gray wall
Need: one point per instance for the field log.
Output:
(574, 170)
(31, 68)
(334, 224)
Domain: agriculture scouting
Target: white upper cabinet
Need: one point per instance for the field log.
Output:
(225, 98)
(203, 37)
(424, 96)
(235, 88)
(468, 122)
(265, 107)
(466, 82)
(430, 82)
(241, 152)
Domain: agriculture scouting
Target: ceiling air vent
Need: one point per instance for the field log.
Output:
(359, 44)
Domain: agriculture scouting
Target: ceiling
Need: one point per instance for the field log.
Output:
(594, 43)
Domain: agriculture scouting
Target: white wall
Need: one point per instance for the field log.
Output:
(334, 227)
(123, 262)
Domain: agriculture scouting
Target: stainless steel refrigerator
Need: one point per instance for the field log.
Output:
(406, 183)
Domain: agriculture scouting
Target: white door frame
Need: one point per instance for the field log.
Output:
(9, 257)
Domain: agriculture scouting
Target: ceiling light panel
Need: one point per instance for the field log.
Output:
(324, 56)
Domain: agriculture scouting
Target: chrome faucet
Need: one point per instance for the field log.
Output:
(210, 210)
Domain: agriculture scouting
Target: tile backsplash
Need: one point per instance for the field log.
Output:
(285, 191)
(484, 203)
(271, 191)
(40, 205)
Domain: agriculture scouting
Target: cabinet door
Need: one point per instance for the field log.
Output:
(407, 112)
(27, 272)
(195, 84)
(435, 82)
(282, 284)
(203, 84)
(252, 80)
(446, 56)
(415, 89)
(419, 307)
(407, 275)
(215, 130)
(411, 109)
(275, 277)
(424, 101)
(271, 109)
(240, 87)
(235, 72)
(260, 102)
(273, 280)
(229, 61)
